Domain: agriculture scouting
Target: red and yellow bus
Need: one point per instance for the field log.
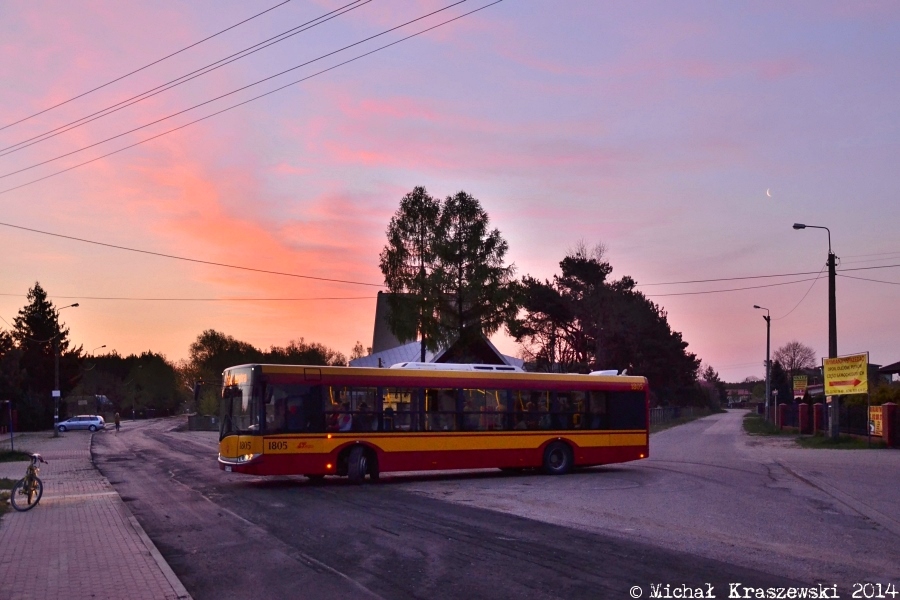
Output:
(353, 422)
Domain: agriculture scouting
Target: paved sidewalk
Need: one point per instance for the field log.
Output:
(860, 479)
(81, 541)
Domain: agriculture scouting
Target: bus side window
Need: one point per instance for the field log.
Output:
(627, 410)
(597, 414)
(563, 409)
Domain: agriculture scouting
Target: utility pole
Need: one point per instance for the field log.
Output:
(768, 319)
(56, 392)
(832, 325)
(832, 308)
(56, 387)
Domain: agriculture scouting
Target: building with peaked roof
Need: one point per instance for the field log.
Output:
(888, 371)
(387, 350)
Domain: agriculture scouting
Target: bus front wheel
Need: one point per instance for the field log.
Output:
(558, 459)
(357, 464)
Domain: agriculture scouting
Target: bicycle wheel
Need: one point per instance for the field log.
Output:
(26, 495)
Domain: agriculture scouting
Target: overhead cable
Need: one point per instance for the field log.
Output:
(61, 171)
(49, 108)
(172, 84)
(186, 259)
(234, 299)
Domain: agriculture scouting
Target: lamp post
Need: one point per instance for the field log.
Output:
(56, 373)
(12, 447)
(126, 384)
(775, 407)
(768, 319)
(97, 348)
(832, 322)
(832, 309)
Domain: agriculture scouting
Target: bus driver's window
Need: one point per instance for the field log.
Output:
(275, 409)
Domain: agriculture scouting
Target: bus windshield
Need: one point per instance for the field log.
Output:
(239, 406)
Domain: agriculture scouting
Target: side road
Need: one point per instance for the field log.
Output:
(81, 541)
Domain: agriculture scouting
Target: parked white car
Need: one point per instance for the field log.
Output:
(89, 422)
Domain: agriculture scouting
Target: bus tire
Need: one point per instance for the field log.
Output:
(558, 459)
(357, 464)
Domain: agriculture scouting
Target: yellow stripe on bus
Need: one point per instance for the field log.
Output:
(423, 442)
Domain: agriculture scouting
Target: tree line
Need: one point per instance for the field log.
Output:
(146, 384)
(446, 269)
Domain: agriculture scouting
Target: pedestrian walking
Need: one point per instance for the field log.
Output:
(117, 421)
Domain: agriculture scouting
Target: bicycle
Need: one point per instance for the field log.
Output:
(30, 488)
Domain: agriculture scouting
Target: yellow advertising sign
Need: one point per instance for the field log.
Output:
(846, 374)
(876, 424)
(800, 385)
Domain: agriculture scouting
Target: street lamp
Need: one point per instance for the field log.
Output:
(832, 309)
(126, 384)
(832, 324)
(12, 447)
(768, 319)
(56, 373)
(97, 348)
(775, 405)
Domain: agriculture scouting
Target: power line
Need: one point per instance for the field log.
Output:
(873, 280)
(729, 279)
(28, 183)
(871, 260)
(142, 68)
(126, 248)
(762, 276)
(808, 290)
(872, 254)
(752, 287)
(193, 260)
(235, 299)
(172, 84)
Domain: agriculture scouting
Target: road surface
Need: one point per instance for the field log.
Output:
(704, 509)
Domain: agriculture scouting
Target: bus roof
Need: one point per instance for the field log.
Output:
(445, 373)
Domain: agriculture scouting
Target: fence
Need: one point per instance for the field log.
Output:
(853, 418)
(664, 414)
(203, 423)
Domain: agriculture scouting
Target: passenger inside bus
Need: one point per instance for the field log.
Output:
(345, 419)
(364, 418)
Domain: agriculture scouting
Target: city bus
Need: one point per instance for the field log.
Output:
(357, 422)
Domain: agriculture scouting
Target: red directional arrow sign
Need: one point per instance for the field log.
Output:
(852, 382)
(847, 374)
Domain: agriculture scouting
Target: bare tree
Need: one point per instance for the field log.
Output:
(795, 357)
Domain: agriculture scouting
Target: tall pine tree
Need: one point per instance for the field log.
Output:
(39, 335)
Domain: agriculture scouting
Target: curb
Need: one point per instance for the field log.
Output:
(167, 571)
(865, 510)
(177, 587)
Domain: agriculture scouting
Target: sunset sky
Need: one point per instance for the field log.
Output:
(656, 128)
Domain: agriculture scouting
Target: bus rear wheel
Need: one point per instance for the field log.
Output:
(357, 464)
(558, 459)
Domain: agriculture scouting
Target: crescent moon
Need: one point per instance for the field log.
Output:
(768, 194)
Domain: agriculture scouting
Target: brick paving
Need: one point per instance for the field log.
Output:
(81, 541)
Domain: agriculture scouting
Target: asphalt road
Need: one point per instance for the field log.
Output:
(708, 489)
(228, 536)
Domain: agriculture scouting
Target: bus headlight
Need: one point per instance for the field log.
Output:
(248, 457)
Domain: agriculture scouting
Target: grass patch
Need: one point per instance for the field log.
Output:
(755, 424)
(5, 486)
(844, 442)
(14, 456)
